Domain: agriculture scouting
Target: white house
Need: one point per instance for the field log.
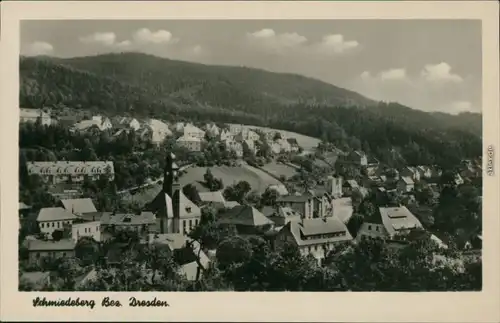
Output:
(191, 143)
(54, 218)
(193, 131)
(156, 130)
(86, 229)
(32, 115)
(235, 146)
(71, 171)
(405, 184)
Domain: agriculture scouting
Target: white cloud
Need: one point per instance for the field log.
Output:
(38, 48)
(124, 44)
(393, 74)
(419, 90)
(104, 38)
(460, 106)
(268, 39)
(337, 44)
(161, 36)
(264, 33)
(440, 73)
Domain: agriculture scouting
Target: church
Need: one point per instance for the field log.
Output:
(174, 212)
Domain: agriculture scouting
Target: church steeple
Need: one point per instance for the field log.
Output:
(169, 173)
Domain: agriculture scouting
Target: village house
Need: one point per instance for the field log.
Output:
(187, 253)
(275, 148)
(97, 122)
(411, 172)
(41, 249)
(294, 145)
(33, 115)
(405, 184)
(425, 171)
(193, 131)
(54, 218)
(226, 135)
(250, 145)
(389, 223)
(71, 171)
(233, 145)
(156, 131)
(112, 223)
(359, 158)
(86, 229)
(215, 199)
(302, 204)
(246, 219)
(174, 212)
(79, 206)
(315, 237)
(282, 215)
(126, 122)
(188, 142)
(334, 186)
(212, 130)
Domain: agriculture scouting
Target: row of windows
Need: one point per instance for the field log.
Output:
(50, 254)
(58, 224)
(88, 230)
(192, 223)
(376, 228)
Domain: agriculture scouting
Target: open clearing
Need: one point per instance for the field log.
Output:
(257, 179)
(279, 169)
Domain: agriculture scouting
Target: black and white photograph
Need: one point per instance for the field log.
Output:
(250, 155)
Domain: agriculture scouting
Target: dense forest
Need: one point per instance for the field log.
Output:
(143, 85)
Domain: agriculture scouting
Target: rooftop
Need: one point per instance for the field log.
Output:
(80, 206)
(42, 245)
(128, 219)
(319, 230)
(244, 215)
(54, 214)
(398, 218)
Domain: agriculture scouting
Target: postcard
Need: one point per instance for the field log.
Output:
(250, 161)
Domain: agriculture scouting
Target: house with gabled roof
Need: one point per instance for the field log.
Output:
(79, 206)
(390, 223)
(40, 249)
(33, 115)
(411, 172)
(358, 157)
(112, 223)
(246, 219)
(282, 215)
(54, 218)
(191, 130)
(303, 204)
(189, 142)
(315, 237)
(405, 184)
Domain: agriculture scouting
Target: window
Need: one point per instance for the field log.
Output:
(58, 224)
(53, 224)
(188, 209)
(184, 224)
(41, 225)
(376, 228)
(64, 254)
(190, 224)
(97, 229)
(38, 255)
(369, 227)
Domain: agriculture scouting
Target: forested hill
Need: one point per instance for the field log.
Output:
(145, 85)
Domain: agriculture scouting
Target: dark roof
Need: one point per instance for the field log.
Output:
(294, 198)
(244, 215)
(128, 219)
(50, 245)
(83, 205)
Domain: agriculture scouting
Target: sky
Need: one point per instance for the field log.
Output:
(431, 65)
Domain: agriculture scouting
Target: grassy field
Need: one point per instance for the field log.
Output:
(257, 179)
(278, 169)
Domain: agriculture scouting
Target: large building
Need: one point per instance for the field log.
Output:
(246, 219)
(40, 249)
(174, 212)
(316, 237)
(33, 115)
(70, 171)
(54, 218)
